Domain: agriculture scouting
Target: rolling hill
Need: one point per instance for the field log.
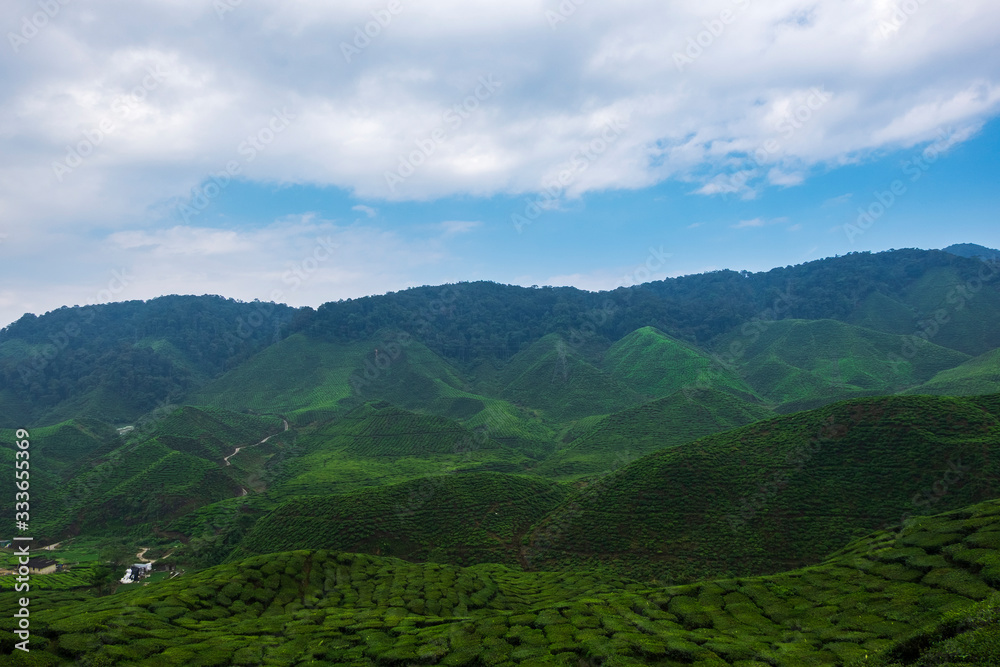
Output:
(801, 364)
(634, 432)
(378, 444)
(449, 518)
(654, 364)
(778, 493)
(158, 471)
(887, 596)
(555, 378)
(979, 375)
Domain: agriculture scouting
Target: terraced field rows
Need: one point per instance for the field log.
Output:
(348, 609)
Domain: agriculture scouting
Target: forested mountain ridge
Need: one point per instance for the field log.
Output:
(117, 361)
(687, 428)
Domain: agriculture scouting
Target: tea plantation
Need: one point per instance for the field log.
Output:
(882, 598)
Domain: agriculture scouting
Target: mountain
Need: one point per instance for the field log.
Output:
(973, 250)
(778, 493)
(450, 518)
(980, 375)
(117, 361)
(378, 444)
(674, 420)
(880, 599)
(442, 349)
(655, 365)
(800, 364)
(554, 377)
(163, 469)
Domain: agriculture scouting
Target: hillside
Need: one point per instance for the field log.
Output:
(654, 364)
(117, 361)
(878, 598)
(973, 250)
(666, 422)
(556, 378)
(980, 375)
(457, 518)
(378, 444)
(452, 350)
(160, 470)
(801, 364)
(779, 493)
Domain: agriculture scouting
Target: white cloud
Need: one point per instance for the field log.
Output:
(745, 224)
(162, 94)
(354, 121)
(451, 227)
(300, 260)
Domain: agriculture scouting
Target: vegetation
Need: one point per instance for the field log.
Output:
(882, 597)
(117, 361)
(980, 375)
(801, 364)
(483, 474)
(677, 419)
(778, 493)
(463, 519)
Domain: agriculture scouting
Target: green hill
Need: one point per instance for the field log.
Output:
(654, 364)
(666, 422)
(56, 454)
(555, 378)
(162, 469)
(958, 310)
(778, 493)
(802, 364)
(881, 598)
(117, 361)
(295, 374)
(457, 518)
(979, 375)
(312, 380)
(378, 444)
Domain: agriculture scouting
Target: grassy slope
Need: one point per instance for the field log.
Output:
(979, 375)
(296, 374)
(778, 493)
(461, 519)
(873, 599)
(553, 377)
(55, 454)
(970, 311)
(803, 363)
(667, 422)
(310, 380)
(163, 470)
(378, 444)
(654, 364)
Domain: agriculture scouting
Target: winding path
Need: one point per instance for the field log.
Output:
(226, 460)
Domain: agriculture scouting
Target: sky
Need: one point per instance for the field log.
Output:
(306, 151)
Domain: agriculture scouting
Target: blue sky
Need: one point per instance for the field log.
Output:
(273, 150)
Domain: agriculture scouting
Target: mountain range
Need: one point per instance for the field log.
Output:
(724, 468)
